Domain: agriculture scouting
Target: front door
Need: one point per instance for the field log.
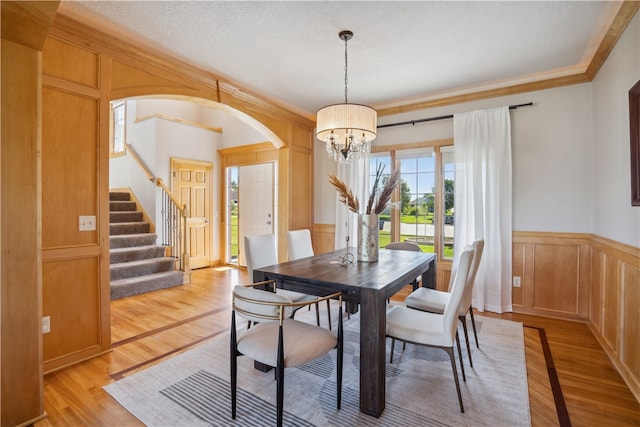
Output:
(255, 203)
(191, 183)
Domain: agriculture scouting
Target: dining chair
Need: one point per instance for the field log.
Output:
(260, 251)
(278, 341)
(433, 329)
(434, 301)
(406, 246)
(300, 246)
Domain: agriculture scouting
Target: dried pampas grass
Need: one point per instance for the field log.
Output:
(387, 191)
(376, 203)
(345, 194)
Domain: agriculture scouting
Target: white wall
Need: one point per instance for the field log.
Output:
(551, 156)
(234, 131)
(614, 217)
(158, 140)
(124, 171)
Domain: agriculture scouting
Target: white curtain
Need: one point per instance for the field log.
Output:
(482, 147)
(356, 176)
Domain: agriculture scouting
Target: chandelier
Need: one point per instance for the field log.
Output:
(347, 129)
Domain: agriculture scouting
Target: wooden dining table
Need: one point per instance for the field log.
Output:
(364, 284)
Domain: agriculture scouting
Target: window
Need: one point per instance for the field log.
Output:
(118, 128)
(424, 211)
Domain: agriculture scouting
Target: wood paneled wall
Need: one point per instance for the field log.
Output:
(24, 29)
(554, 272)
(614, 309)
(75, 170)
(83, 70)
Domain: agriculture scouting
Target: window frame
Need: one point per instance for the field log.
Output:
(438, 210)
(112, 129)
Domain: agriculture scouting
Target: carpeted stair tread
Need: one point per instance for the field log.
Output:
(123, 270)
(131, 240)
(136, 253)
(125, 216)
(122, 206)
(128, 228)
(143, 284)
(119, 196)
(138, 263)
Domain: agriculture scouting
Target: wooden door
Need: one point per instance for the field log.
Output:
(191, 183)
(255, 203)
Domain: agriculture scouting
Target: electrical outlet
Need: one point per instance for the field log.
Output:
(516, 281)
(87, 223)
(46, 324)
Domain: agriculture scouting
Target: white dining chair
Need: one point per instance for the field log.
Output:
(434, 301)
(406, 246)
(260, 251)
(433, 329)
(300, 246)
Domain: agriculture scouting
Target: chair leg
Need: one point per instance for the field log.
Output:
(234, 366)
(449, 351)
(329, 313)
(393, 344)
(473, 323)
(463, 320)
(280, 379)
(464, 378)
(317, 315)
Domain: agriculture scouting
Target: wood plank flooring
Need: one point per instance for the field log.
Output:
(150, 328)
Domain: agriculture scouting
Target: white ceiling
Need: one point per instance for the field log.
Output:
(401, 52)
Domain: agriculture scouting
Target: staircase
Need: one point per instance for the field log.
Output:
(138, 264)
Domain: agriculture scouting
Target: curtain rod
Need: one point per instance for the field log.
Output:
(449, 116)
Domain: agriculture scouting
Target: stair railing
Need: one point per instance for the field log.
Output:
(174, 217)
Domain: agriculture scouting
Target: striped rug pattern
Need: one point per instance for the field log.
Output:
(192, 389)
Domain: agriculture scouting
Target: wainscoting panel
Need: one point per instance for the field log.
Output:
(615, 297)
(555, 274)
(323, 237)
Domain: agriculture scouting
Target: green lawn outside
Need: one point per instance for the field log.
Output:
(384, 236)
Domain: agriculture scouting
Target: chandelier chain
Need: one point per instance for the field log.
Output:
(346, 69)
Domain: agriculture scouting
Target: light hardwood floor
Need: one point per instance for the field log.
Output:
(147, 329)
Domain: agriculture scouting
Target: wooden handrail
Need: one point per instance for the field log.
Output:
(140, 162)
(183, 209)
(183, 257)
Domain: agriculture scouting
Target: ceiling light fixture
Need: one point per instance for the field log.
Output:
(347, 129)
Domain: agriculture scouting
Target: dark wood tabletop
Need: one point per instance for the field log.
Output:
(368, 284)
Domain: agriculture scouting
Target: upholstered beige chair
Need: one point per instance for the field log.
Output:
(434, 301)
(433, 329)
(277, 340)
(260, 251)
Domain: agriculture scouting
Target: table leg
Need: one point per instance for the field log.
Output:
(373, 324)
(429, 276)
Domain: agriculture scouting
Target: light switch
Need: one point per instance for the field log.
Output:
(87, 223)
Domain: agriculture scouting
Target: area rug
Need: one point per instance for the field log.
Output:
(193, 389)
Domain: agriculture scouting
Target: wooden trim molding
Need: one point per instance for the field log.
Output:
(622, 19)
(177, 120)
